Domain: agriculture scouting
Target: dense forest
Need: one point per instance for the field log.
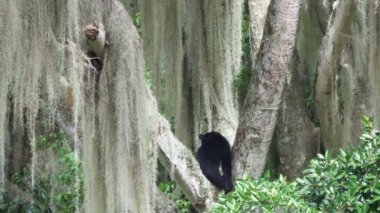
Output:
(189, 106)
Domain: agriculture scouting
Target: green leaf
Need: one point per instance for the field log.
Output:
(320, 156)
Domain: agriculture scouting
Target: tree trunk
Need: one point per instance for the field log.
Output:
(296, 140)
(265, 96)
(347, 85)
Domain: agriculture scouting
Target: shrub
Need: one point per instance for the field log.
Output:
(349, 182)
(168, 188)
(60, 191)
(263, 194)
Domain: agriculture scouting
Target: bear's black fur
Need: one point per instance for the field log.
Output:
(215, 150)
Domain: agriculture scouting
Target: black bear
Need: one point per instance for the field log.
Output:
(215, 150)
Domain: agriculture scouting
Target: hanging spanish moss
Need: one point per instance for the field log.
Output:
(348, 72)
(193, 51)
(46, 68)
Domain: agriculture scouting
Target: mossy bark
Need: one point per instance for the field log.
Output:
(265, 102)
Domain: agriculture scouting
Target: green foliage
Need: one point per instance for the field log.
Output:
(241, 83)
(66, 193)
(245, 31)
(367, 123)
(265, 194)
(243, 79)
(137, 22)
(349, 182)
(169, 189)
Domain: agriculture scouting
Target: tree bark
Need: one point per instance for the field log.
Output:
(263, 103)
(296, 140)
(184, 168)
(335, 116)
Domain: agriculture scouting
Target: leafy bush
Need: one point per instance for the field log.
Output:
(350, 182)
(169, 189)
(68, 190)
(264, 194)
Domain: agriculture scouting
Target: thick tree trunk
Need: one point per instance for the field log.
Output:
(296, 140)
(348, 72)
(326, 93)
(263, 103)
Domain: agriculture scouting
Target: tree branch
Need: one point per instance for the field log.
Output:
(184, 168)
